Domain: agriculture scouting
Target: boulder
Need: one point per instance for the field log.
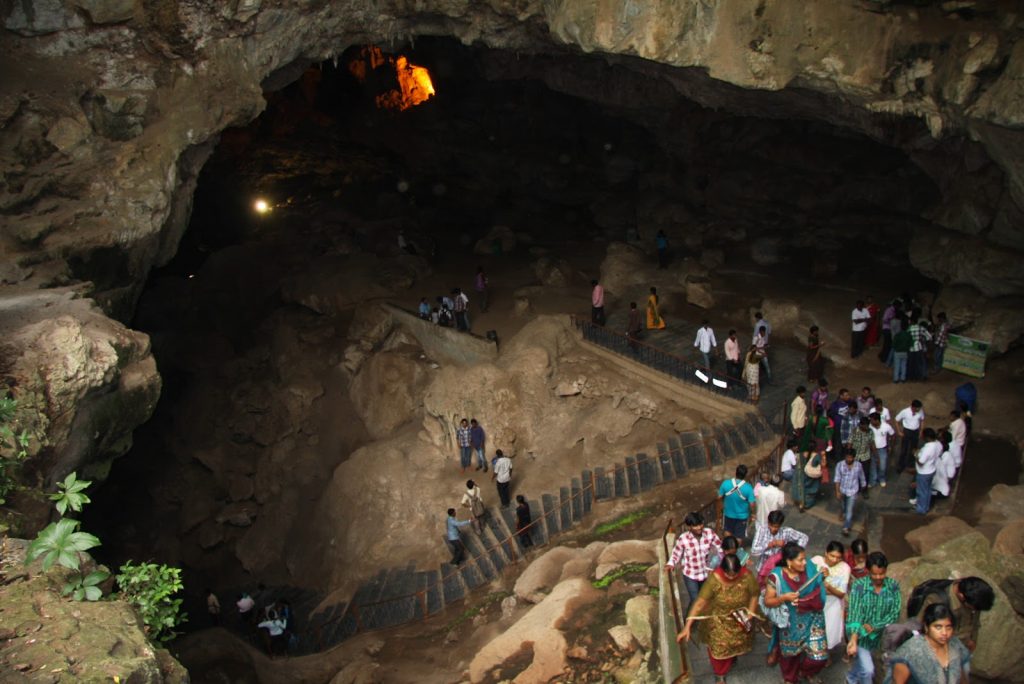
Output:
(765, 251)
(362, 670)
(700, 294)
(1002, 504)
(927, 537)
(546, 571)
(239, 514)
(996, 320)
(626, 552)
(240, 487)
(499, 240)
(1013, 587)
(1009, 540)
(622, 637)
(521, 307)
(712, 258)
(107, 11)
(569, 388)
(624, 267)
(551, 271)
(641, 614)
(690, 269)
(784, 315)
(964, 260)
(387, 389)
(537, 629)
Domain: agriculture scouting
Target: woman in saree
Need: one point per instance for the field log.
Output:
(817, 432)
(815, 359)
(727, 636)
(805, 487)
(934, 657)
(874, 327)
(836, 586)
(799, 586)
(752, 374)
(654, 319)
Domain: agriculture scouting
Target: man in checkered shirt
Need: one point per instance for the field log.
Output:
(693, 548)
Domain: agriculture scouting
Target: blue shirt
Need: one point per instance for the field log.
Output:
(453, 527)
(738, 503)
(476, 437)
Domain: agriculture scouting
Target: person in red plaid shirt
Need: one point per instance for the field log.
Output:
(693, 548)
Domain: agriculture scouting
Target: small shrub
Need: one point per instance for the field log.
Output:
(150, 588)
(61, 542)
(71, 494)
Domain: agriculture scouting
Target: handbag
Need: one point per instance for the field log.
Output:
(812, 471)
(477, 507)
(779, 615)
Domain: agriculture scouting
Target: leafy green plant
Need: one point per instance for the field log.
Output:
(86, 588)
(617, 573)
(61, 542)
(10, 441)
(71, 494)
(150, 588)
(619, 523)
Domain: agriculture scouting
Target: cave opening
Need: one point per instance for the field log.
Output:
(567, 152)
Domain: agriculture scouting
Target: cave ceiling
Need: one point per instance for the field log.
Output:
(112, 107)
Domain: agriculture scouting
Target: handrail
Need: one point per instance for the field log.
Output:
(670, 364)
(673, 587)
(710, 510)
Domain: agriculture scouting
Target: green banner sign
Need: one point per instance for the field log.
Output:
(967, 356)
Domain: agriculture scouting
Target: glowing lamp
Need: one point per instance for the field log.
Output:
(261, 206)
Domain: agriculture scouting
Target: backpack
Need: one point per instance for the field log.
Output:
(937, 587)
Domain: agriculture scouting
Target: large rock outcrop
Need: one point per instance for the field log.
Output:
(83, 382)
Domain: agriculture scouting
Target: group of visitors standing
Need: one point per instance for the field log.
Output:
(810, 606)
(746, 362)
(903, 331)
(472, 440)
(858, 436)
(452, 310)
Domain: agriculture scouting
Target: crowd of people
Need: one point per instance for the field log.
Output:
(839, 604)
(858, 436)
(472, 440)
(452, 310)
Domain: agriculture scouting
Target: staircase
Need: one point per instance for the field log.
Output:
(404, 594)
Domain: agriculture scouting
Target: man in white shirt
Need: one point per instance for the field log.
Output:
(958, 432)
(759, 322)
(927, 461)
(880, 433)
(882, 410)
(859, 318)
(798, 411)
(503, 477)
(788, 465)
(944, 472)
(705, 342)
(767, 497)
(909, 427)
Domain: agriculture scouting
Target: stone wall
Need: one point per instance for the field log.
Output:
(445, 343)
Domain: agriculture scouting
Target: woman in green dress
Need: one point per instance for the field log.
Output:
(726, 630)
(805, 487)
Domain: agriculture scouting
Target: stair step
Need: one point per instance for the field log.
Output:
(668, 472)
(472, 576)
(648, 475)
(550, 514)
(537, 533)
(576, 500)
(564, 508)
(478, 556)
(435, 596)
(619, 479)
(502, 553)
(602, 485)
(632, 475)
(451, 583)
(588, 491)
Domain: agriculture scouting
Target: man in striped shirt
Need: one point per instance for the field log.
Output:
(874, 603)
(692, 549)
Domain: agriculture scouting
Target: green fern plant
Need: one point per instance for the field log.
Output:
(61, 542)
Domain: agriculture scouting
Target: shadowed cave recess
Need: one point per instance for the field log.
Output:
(567, 151)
